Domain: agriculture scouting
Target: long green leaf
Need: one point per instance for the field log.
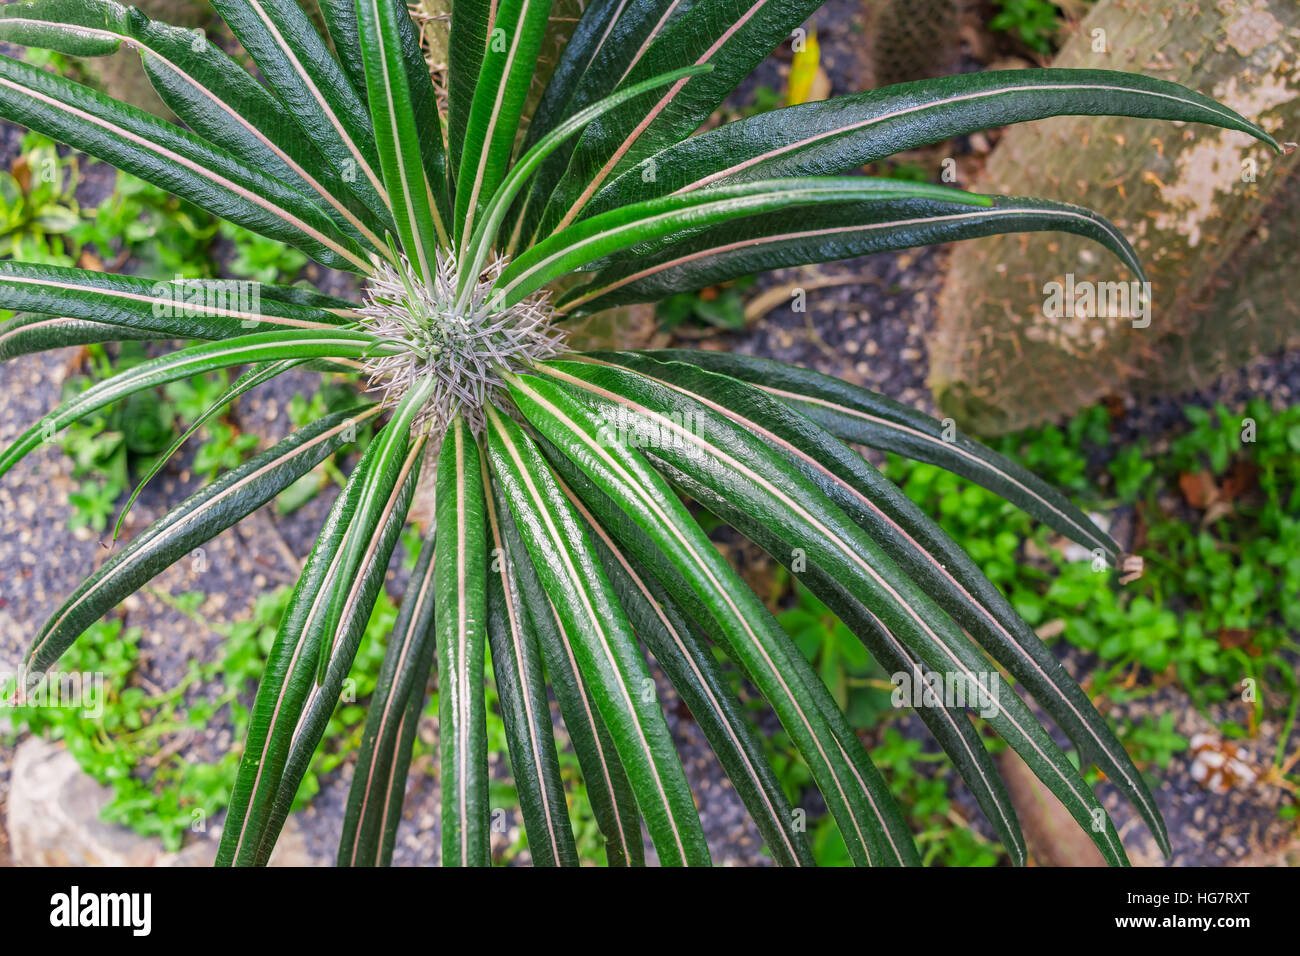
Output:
(340, 18)
(847, 132)
(855, 414)
(606, 648)
(951, 728)
(607, 786)
(282, 709)
(690, 664)
(172, 159)
(257, 375)
(199, 518)
(502, 85)
(954, 733)
(494, 213)
(392, 445)
(642, 229)
(25, 334)
(460, 592)
(184, 309)
(609, 40)
(397, 137)
(833, 231)
(323, 700)
(472, 24)
(249, 349)
(924, 551)
(299, 67)
(202, 85)
(521, 685)
(732, 35)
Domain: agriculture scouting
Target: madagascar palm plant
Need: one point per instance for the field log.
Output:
(561, 533)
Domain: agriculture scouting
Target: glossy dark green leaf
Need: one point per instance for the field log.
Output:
(603, 641)
(472, 22)
(732, 35)
(833, 231)
(202, 85)
(249, 349)
(291, 709)
(607, 786)
(324, 699)
(390, 447)
(926, 553)
(25, 334)
(482, 242)
(257, 375)
(460, 596)
(398, 138)
(855, 414)
(609, 40)
(690, 665)
(955, 733)
(846, 132)
(501, 86)
(525, 711)
(188, 309)
(340, 18)
(294, 59)
(379, 785)
(642, 229)
(172, 159)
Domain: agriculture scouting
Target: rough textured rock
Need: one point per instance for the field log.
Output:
(53, 820)
(1211, 213)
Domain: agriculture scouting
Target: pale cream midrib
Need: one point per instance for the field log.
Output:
(461, 697)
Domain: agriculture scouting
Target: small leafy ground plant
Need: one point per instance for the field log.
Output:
(561, 534)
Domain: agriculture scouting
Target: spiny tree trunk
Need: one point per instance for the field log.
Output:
(1219, 248)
